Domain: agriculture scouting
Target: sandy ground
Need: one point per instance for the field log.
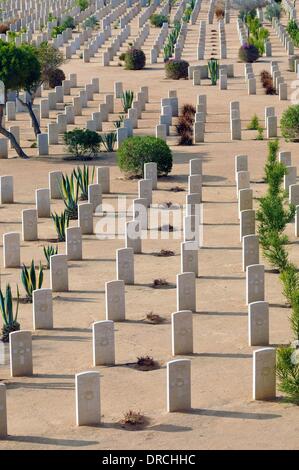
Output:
(41, 408)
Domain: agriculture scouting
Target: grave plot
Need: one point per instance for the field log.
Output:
(155, 290)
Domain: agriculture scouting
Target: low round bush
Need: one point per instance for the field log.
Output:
(135, 59)
(56, 78)
(289, 123)
(176, 69)
(82, 143)
(69, 22)
(157, 20)
(248, 53)
(134, 152)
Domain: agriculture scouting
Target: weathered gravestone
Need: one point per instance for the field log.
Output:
(182, 332)
(103, 343)
(179, 385)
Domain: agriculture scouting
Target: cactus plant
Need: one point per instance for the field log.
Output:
(10, 323)
(61, 223)
(29, 279)
(213, 67)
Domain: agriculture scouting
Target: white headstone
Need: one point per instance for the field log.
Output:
(88, 404)
(85, 218)
(186, 292)
(74, 243)
(59, 273)
(179, 385)
(182, 332)
(20, 348)
(6, 190)
(42, 309)
(115, 300)
(258, 324)
(29, 224)
(11, 250)
(103, 343)
(264, 374)
(255, 283)
(43, 205)
(125, 265)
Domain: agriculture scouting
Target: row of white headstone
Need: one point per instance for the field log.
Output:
(264, 360)
(87, 389)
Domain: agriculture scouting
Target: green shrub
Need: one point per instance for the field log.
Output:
(176, 69)
(91, 22)
(294, 319)
(290, 281)
(135, 151)
(272, 11)
(289, 123)
(55, 77)
(29, 279)
(260, 134)
(254, 124)
(293, 31)
(122, 56)
(287, 370)
(83, 4)
(69, 22)
(9, 319)
(157, 20)
(248, 53)
(56, 30)
(135, 59)
(82, 143)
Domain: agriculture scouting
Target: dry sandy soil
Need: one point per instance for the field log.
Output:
(41, 408)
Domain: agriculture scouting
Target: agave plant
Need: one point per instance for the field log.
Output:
(109, 141)
(84, 179)
(61, 223)
(30, 280)
(70, 194)
(10, 323)
(127, 100)
(119, 121)
(49, 251)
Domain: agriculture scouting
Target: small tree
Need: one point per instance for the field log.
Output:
(49, 59)
(19, 70)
